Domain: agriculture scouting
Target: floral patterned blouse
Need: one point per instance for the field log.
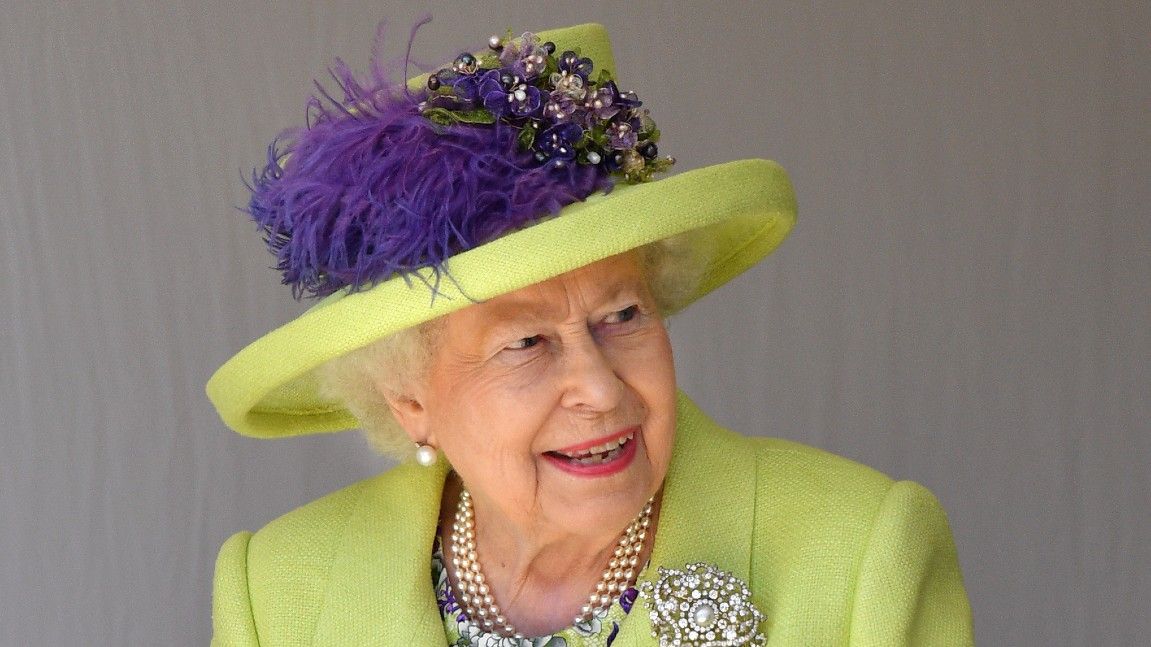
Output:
(599, 631)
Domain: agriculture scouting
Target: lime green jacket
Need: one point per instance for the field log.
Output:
(834, 553)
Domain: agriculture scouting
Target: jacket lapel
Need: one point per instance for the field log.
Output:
(380, 588)
(708, 510)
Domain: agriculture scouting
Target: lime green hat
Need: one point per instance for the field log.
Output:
(735, 213)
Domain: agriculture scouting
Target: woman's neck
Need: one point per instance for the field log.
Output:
(539, 577)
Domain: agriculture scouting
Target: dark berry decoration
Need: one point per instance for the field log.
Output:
(564, 116)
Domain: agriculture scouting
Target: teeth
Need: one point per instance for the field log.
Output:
(596, 459)
(600, 453)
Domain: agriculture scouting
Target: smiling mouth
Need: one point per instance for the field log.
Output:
(605, 453)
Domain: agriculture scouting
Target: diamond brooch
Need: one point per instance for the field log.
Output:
(702, 606)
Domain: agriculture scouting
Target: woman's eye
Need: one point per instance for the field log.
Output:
(524, 343)
(623, 316)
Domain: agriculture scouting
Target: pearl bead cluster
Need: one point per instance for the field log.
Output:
(476, 597)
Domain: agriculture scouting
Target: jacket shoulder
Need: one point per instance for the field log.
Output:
(287, 565)
(811, 518)
(289, 560)
(870, 557)
(804, 493)
(321, 521)
(313, 522)
(812, 467)
(783, 466)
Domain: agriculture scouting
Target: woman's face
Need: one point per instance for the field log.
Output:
(530, 394)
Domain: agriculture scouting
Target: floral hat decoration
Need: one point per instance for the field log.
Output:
(401, 202)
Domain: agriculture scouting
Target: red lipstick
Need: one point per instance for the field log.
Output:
(608, 463)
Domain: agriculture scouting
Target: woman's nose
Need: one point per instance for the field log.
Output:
(591, 384)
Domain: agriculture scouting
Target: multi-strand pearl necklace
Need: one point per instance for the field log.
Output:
(477, 599)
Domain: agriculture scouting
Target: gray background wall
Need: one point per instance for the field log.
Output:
(965, 301)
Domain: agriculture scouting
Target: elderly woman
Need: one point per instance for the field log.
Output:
(496, 262)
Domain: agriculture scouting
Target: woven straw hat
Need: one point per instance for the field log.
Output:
(737, 211)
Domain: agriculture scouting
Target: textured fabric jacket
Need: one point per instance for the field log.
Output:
(835, 553)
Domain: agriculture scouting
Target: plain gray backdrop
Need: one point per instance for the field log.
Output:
(964, 302)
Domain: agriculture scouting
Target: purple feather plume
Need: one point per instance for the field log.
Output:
(372, 189)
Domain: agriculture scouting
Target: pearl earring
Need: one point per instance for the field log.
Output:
(426, 455)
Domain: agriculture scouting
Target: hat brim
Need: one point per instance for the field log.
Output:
(740, 210)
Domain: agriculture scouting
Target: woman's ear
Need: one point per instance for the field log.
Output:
(410, 412)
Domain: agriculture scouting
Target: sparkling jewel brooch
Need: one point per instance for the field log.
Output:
(701, 606)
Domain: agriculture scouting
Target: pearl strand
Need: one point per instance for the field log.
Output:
(476, 596)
